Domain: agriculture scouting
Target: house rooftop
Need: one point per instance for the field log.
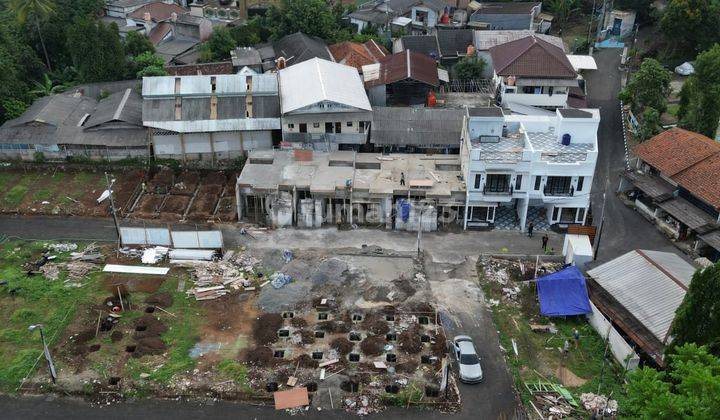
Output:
(245, 56)
(531, 57)
(225, 84)
(298, 47)
(159, 11)
(492, 111)
(423, 44)
(454, 42)
(417, 126)
(328, 173)
(676, 150)
(574, 113)
(317, 80)
(221, 67)
(356, 54)
(506, 8)
(405, 65)
(484, 40)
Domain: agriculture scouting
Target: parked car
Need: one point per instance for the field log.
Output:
(468, 361)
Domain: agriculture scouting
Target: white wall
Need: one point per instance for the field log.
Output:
(621, 350)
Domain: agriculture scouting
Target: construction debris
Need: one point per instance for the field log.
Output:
(134, 269)
(599, 404)
(551, 400)
(154, 255)
(214, 279)
(296, 397)
(63, 247)
(278, 280)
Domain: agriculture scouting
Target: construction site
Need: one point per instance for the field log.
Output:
(352, 329)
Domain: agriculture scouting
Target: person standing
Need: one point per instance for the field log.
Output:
(545, 242)
(576, 336)
(402, 178)
(530, 229)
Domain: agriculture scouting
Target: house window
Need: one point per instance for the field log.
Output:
(303, 127)
(338, 127)
(529, 89)
(291, 126)
(497, 183)
(478, 179)
(581, 181)
(361, 124)
(555, 213)
(580, 215)
(518, 182)
(328, 127)
(537, 183)
(316, 125)
(349, 123)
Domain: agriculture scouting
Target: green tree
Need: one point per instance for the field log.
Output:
(46, 87)
(18, 65)
(689, 389)
(96, 49)
(650, 123)
(148, 64)
(691, 26)
(642, 8)
(36, 10)
(137, 43)
(700, 96)
(256, 30)
(697, 320)
(469, 68)
(311, 17)
(218, 46)
(649, 87)
(561, 9)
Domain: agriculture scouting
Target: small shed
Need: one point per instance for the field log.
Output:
(577, 250)
(620, 23)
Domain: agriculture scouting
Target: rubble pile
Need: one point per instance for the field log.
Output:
(214, 279)
(599, 404)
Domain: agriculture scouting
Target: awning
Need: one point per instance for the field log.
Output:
(582, 62)
(712, 239)
(653, 186)
(687, 213)
(563, 293)
(546, 82)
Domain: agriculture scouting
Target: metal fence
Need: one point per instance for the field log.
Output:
(150, 236)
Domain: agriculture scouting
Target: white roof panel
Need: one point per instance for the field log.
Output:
(318, 80)
(582, 62)
(649, 284)
(225, 84)
(204, 126)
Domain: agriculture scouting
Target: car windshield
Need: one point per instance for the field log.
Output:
(469, 359)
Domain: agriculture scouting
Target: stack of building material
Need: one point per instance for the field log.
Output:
(214, 279)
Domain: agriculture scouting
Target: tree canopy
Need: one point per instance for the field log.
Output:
(697, 319)
(691, 26)
(649, 87)
(700, 96)
(218, 46)
(96, 50)
(689, 389)
(469, 68)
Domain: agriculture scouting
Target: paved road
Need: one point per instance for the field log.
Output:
(624, 228)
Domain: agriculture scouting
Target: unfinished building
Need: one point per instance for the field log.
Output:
(311, 189)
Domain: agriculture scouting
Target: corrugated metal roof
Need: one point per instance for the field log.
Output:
(317, 80)
(225, 84)
(416, 126)
(649, 284)
(206, 126)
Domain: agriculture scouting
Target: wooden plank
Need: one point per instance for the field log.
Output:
(296, 397)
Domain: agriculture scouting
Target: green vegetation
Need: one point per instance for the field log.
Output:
(690, 26)
(538, 355)
(698, 317)
(700, 96)
(690, 388)
(647, 94)
(408, 395)
(234, 370)
(29, 300)
(470, 68)
(15, 195)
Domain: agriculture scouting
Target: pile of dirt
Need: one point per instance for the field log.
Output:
(116, 336)
(407, 367)
(421, 307)
(410, 341)
(259, 356)
(161, 299)
(306, 361)
(265, 329)
(376, 324)
(298, 322)
(149, 326)
(307, 337)
(83, 337)
(334, 326)
(342, 345)
(439, 345)
(148, 346)
(373, 345)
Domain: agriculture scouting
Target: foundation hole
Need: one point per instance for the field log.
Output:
(130, 349)
(357, 317)
(423, 320)
(114, 380)
(283, 333)
(354, 357)
(141, 328)
(425, 360)
(354, 337)
(432, 391)
(390, 318)
(288, 314)
(392, 358)
(392, 389)
(391, 337)
(317, 355)
(311, 386)
(94, 348)
(350, 386)
(425, 338)
(319, 334)
(149, 309)
(271, 386)
(279, 354)
(322, 316)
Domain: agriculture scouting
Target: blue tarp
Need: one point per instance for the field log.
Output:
(404, 210)
(563, 293)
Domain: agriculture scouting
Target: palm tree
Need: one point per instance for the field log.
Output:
(46, 87)
(37, 9)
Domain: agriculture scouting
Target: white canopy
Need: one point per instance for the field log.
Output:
(582, 62)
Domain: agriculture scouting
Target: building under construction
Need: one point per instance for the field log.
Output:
(311, 189)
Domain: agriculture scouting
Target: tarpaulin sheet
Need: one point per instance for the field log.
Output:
(563, 293)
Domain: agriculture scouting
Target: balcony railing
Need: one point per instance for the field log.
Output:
(558, 191)
(497, 190)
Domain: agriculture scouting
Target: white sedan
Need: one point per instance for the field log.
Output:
(468, 360)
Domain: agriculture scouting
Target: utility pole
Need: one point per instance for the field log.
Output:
(599, 232)
(112, 206)
(46, 351)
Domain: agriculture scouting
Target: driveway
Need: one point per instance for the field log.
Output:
(624, 229)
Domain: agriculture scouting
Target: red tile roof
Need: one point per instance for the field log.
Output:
(158, 33)
(158, 11)
(406, 65)
(688, 158)
(356, 54)
(531, 57)
(675, 150)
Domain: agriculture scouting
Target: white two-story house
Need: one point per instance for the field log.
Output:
(528, 168)
(532, 71)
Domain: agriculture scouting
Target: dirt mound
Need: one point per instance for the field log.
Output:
(373, 345)
(388, 310)
(422, 307)
(265, 329)
(410, 341)
(161, 299)
(298, 322)
(376, 324)
(407, 367)
(149, 326)
(149, 346)
(83, 336)
(307, 337)
(259, 356)
(116, 336)
(306, 361)
(342, 345)
(334, 327)
(439, 346)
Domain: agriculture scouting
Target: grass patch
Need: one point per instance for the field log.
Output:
(182, 334)
(30, 300)
(539, 355)
(673, 109)
(15, 195)
(408, 395)
(234, 370)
